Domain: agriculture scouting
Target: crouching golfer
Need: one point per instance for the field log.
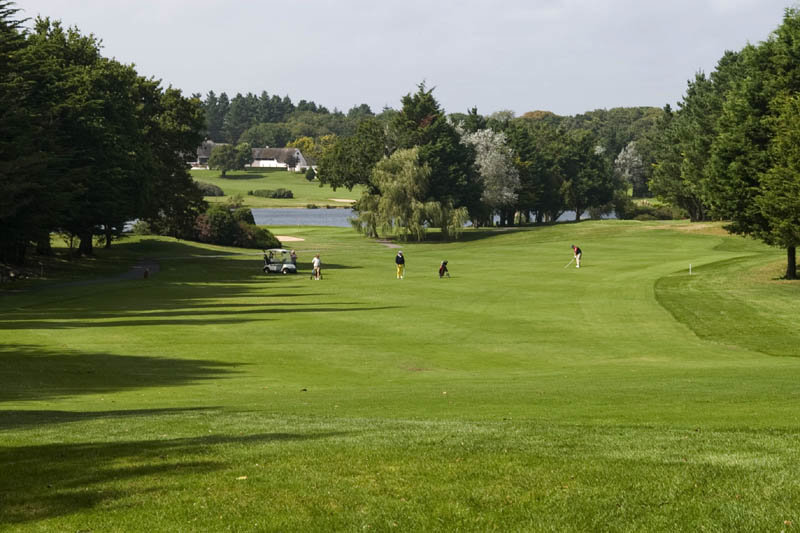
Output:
(400, 261)
(577, 253)
(443, 270)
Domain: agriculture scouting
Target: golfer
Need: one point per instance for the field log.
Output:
(266, 262)
(577, 253)
(400, 261)
(316, 265)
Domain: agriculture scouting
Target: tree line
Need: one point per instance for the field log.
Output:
(274, 121)
(422, 168)
(730, 150)
(88, 145)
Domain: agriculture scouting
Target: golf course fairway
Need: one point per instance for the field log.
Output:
(518, 395)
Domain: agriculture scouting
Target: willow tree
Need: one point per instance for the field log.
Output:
(398, 200)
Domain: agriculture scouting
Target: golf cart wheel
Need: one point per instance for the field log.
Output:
(284, 271)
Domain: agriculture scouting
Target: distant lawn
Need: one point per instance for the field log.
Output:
(518, 395)
(305, 192)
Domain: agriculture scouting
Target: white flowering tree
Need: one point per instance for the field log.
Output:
(629, 166)
(498, 174)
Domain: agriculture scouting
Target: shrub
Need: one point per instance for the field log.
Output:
(310, 174)
(312, 206)
(251, 236)
(235, 201)
(209, 189)
(141, 227)
(598, 212)
(624, 206)
(269, 193)
(627, 209)
(244, 214)
(223, 226)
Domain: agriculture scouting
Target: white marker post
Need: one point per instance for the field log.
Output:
(690, 269)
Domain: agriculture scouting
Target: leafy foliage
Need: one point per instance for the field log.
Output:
(209, 189)
(267, 135)
(401, 203)
(225, 157)
(223, 226)
(348, 161)
(272, 193)
(91, 143)
(495, 163)
(753, 180)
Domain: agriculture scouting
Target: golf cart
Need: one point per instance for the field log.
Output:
(278, 260)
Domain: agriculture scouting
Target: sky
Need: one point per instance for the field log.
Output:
(564, 56)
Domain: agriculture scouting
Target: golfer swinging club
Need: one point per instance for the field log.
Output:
(577, 254)
(401, 264)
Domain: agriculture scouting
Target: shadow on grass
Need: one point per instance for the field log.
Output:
(47, 481)
(195, 292)
(247, 174)
(434, 238)
(110, 319)
(306, 267)
(23, 418)
(30, 373)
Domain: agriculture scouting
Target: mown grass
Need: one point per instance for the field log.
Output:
(517, 395)
(305, 192)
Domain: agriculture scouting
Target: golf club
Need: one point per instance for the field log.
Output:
(570, 262)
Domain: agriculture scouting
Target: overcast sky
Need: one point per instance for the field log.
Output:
(565, 56)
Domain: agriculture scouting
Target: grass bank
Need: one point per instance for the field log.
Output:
(305, 192)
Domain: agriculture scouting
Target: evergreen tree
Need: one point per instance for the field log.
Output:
(752, 179)
(422, 123)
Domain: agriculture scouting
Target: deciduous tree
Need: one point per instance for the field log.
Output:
(226, 157)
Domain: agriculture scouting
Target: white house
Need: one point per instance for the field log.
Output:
(288, 158)
(279, 158)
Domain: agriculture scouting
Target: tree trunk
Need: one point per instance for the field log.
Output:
(109, 235)
(791, 263)
(85, 246)
(43, 246)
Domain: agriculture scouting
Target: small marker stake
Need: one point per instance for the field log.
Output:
(690, 269)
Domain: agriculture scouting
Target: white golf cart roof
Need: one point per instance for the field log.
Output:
(278, 250)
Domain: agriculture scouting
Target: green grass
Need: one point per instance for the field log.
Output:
(305, 192)
(517, 395)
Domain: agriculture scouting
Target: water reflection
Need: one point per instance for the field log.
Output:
(339, 217)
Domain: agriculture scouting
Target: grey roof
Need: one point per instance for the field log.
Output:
(204, 150)
(278, 154)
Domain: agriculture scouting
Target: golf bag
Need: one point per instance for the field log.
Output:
(443, 270)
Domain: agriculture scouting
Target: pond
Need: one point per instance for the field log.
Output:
(299, 216)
